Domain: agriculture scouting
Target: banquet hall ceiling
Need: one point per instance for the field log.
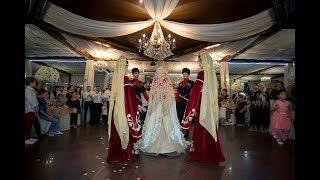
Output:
(40, 44)
(187, 11)
(279, 46)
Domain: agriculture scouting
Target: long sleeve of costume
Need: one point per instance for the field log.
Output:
(116, 152)
(193, 106)
(132, 110)
(204, 148)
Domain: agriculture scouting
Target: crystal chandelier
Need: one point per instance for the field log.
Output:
(157, 47)
(101, 66)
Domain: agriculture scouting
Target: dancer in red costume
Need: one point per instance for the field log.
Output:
(203, 108)
(124, 123)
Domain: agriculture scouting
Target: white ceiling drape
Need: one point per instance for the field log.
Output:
(76, 24)
(230, 48)
(160, 9)
(224, 31)
(96, 49)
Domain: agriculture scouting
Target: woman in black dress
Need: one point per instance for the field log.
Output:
(241, 111)
(74, 106)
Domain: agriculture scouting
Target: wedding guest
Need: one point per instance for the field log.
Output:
(275, 91)
(183, 94)
(97, 105)
(140, 92)
(78, 90)
(74, 106)
(61, 101)
(48, 98)
(281, 125)
(31, 108)
(241, 111)
(106, 99)
(123, 133)
(69, 94)
(88, 104)
(265, 117)
(105, 109)
(55, 92)
(203, 108)
(48, 116)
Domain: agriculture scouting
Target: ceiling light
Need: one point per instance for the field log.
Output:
(157, 47)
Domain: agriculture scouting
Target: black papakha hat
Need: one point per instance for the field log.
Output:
(186, 70)
(135, 70)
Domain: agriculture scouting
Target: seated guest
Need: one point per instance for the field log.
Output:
(74, 106)
(46, 115)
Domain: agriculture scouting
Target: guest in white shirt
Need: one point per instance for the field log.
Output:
(88, 104)
(31, 108)
(97, 105)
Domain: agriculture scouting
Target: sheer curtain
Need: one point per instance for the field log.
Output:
(225, 31)
(76, 24)
(160, 9)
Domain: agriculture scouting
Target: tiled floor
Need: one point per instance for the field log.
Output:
(80, 155)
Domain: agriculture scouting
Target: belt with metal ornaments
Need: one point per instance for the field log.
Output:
(184, 98)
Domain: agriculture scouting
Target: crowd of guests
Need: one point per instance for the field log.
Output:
(260, 109)
(256, 108)
(40, 102)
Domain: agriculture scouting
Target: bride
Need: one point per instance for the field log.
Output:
(161, 131)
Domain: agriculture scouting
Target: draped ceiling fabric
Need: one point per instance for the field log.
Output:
(96, 49)
(160, 9)
(76, 24)
(230, 48)
(225, 31)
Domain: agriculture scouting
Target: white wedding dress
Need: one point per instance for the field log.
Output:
(162, 131)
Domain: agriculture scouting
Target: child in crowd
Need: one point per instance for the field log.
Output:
(281, 125)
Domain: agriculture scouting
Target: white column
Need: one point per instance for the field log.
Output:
(89, 74)
(289, 74)
(28, 68)
(106, 80)
(224, 76)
